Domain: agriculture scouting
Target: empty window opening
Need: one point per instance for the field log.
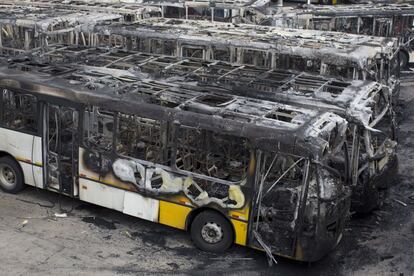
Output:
(215, 100)
(20, 111)
(281, 114)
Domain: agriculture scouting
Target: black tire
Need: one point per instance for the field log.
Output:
(11, 175)
(404, 59)
(208, 222)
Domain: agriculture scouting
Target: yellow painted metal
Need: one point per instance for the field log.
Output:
(240, 229)
(242, 214)
(299, 252)
(173, 215)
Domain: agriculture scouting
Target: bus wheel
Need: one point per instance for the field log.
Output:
(404, 59)
(211, 232)
(11, 176)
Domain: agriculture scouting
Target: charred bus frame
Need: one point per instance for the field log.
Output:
(130, 12)
(385, 20)
(25, 28)
(223, 10)
(235, 11)
(335, 54)
(168, 154)
(366, 105)
(331, 54)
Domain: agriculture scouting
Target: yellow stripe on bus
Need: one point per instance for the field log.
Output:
(173, 215)
(28, 161)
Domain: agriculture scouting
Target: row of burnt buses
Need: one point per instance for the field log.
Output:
(246, 134)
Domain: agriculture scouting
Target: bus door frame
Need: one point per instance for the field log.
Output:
(46, 104)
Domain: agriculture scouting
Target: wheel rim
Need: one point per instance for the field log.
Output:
(212, 232)
(7, 176)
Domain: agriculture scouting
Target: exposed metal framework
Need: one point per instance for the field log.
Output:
(366, 105)
(326, 53)
(130, 11)
(222, 10)
(389, 20)
(295, 138)
(127, 86)
(288, 85)
(283, 121)
(24, 28)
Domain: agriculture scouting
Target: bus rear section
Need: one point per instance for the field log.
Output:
(192, 160)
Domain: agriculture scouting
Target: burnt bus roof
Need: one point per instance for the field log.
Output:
(41, 19)
(329, 47)
(132, 9)
(354, 10)
(125, 6)
(268, 125)
(351, 99)
(221, 4)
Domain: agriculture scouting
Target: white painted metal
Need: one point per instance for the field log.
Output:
(26, 149)
(16, 144)
(38, 176)
(101, 194)
(27, 173)
(142, 207)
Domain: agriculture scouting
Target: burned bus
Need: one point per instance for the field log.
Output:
(235, 11)
(327, 53)
(385, 20)
(130, 12)
(26, 28)
(366, 105)
(225, 11)
(228, 169)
